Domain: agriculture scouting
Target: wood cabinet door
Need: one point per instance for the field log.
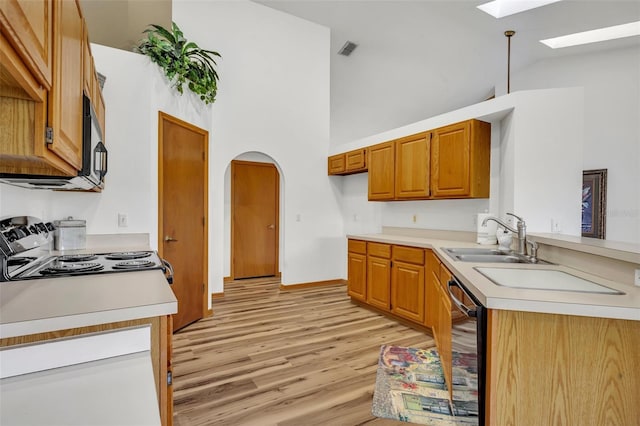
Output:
(87, 63)
(357, 276)
(450, 161)
(379, 282)
(65, 102)
(443, 332)
(407, 291)
(30, 28)
(412, 166)
(336, 164)
(381, 164)
(432, 282)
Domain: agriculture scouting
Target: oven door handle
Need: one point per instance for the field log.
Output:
(470, 312)
(167, 266)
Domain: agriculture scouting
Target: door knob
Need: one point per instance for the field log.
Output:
(271, 227)
(169, 239)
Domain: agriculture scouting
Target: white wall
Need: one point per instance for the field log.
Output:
(273, 99)
(611, 134)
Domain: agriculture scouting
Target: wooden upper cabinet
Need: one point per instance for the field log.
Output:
(336, 165)
(460, 160)
(412, 166)
(27, 24)
(356, 160)
(65, 106)
(87, 63)
(348, 163)
(382, 171)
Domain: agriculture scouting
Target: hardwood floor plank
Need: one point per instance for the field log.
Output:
(272, 357)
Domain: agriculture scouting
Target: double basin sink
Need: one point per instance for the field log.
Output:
(538, 278)
(488, 255)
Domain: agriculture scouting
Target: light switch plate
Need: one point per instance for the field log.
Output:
(637, 278)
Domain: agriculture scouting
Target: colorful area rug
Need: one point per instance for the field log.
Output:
(410, 387)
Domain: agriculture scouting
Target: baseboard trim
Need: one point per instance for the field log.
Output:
(312, 284)
(217, 296)
(227, 279)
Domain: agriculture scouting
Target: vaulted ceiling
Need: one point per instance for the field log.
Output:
(415, 59)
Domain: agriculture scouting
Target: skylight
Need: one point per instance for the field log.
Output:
(502, 8)
(594, 36)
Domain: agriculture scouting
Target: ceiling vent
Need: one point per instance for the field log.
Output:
(347, 48)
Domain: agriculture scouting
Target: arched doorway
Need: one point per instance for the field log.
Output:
(253, 216)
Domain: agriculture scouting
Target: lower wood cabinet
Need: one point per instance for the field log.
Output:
(551, 369)
(379, 275)
(161, 336)
(432, 282)
(407, 283)
(357, 270)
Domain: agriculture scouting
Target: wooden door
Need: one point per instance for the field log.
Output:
(412, 166)
(255, 199)
(381, 166)
(182, 221)
(407, 291)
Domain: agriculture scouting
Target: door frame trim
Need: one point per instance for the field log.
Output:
(232, 242)
(162, 117)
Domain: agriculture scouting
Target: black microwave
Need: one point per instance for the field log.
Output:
(94, 161)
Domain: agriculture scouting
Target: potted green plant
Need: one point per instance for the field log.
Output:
(182, 60)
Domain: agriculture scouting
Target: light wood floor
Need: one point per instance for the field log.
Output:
(270, 357)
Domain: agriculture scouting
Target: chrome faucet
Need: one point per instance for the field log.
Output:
(521, 231)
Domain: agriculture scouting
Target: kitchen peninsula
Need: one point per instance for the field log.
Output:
(69, 310)
(575, 351)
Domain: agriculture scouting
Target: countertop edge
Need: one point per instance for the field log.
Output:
(43, 325)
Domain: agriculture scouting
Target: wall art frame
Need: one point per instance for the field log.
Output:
(594, 203)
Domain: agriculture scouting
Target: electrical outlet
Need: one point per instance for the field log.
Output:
(123, 220)
(555, 226)
(637, 278)
(415, 218)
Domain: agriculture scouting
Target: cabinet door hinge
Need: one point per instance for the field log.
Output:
(48, 136)
(169, 378)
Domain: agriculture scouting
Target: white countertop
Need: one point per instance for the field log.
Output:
(49, 304)
(37, 306)
(492, 296)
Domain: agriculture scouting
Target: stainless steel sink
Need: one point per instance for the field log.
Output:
(475, 251)
(488, 255)
(492, 258)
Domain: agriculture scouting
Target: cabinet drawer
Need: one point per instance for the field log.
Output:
(356, 246)
(379, 250)
(408, 254)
